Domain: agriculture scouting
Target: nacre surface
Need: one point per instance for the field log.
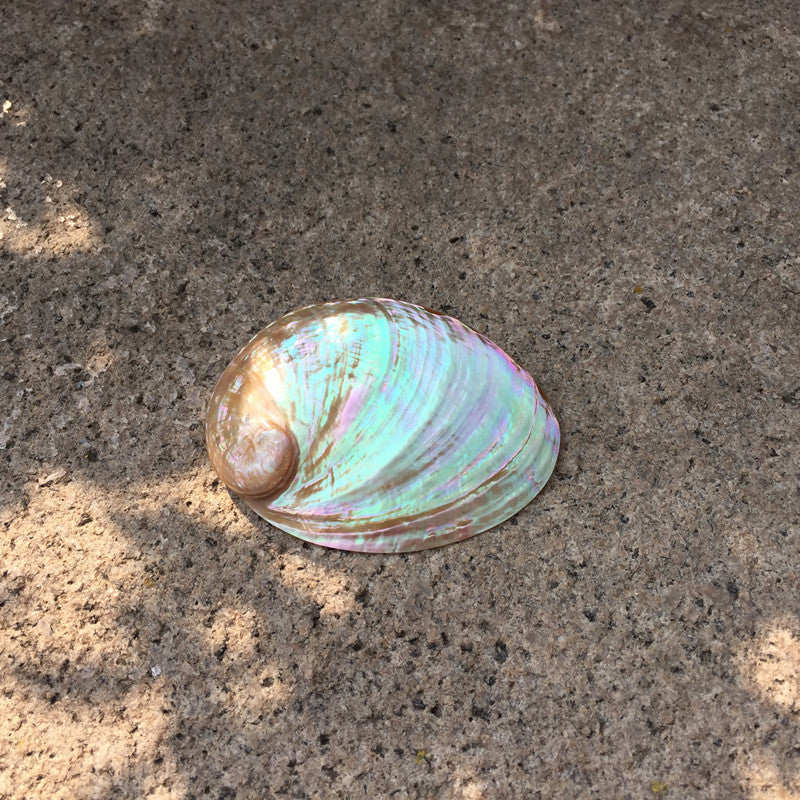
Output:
(378, 426)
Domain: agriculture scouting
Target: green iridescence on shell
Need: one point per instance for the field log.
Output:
(379, 426)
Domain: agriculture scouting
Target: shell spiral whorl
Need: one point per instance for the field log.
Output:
(250, 446)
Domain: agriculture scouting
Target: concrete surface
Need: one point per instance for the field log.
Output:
(608, 190)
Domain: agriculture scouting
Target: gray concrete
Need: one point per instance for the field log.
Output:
(608, 190)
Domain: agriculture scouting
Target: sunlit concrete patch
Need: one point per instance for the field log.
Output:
(59, 227)
(14, 113)
(326, 587)
(71, 714)
(773, 666)
(88, 632)
(83, 751)
(199, 497)
(764, 781)
(235, 630)
(65, 569)
(77, 695)
(473, 789)
(770, 669)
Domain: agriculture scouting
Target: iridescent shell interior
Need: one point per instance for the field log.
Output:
(379, 426)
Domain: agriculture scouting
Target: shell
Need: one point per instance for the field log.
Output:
(379, 426)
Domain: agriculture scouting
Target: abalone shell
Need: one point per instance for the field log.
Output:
(379, 426)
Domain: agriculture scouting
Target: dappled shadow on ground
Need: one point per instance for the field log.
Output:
(179, 647)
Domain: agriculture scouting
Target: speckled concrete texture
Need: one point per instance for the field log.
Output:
(608, 190)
